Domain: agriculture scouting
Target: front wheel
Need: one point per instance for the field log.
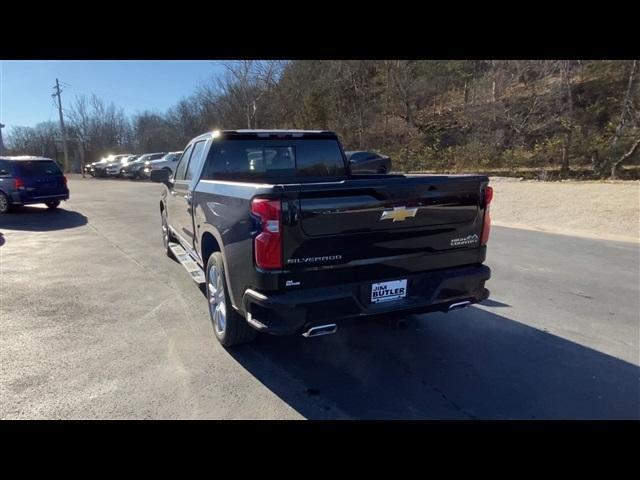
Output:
(228, 325)
(53, 205)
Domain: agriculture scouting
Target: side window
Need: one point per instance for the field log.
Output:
(196, 159)
(182, 166)
(5, 169)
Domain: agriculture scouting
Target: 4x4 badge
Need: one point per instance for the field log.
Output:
(399, 214)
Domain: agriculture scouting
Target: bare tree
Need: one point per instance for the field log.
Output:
(248, 81)
(627, 104)
(632, 151)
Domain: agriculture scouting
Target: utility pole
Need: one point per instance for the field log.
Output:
(64, 135)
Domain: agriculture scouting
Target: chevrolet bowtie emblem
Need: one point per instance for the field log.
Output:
(399, 214)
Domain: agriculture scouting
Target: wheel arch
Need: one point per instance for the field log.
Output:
(210, 242)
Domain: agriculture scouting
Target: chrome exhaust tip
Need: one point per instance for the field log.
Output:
(319, 330)
(458, 306)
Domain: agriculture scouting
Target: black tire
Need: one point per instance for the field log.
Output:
(167, 236)
(53, 205)
(236, 330)
(5, 206)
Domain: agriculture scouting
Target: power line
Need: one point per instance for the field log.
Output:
(53, 104)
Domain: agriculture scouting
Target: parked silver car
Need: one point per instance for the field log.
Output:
(113, 169)
(136, 169)
(168, 162)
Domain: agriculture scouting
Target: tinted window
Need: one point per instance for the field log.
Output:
(156, 156)
(320, 158)
(260, 159)
(38, 168)
(5, 168)
(195, 162)
(182, 166)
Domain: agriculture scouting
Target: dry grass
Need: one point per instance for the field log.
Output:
(609, 210)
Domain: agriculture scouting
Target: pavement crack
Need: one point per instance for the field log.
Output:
(451, 402)
(119, 248)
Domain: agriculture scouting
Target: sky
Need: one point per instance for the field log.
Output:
(26, 86)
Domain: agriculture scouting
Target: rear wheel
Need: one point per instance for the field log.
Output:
(53, 205)
(228, 325)
(5, 206)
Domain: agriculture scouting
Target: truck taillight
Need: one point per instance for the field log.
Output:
(268, 243)
(19, 184)
(486, 225)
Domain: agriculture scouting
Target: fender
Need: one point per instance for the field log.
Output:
(205, 227)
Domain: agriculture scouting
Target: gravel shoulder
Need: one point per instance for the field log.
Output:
(604, 210)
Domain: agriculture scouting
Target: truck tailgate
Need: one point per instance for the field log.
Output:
(398, 223)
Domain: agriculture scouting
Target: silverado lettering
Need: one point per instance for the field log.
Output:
(315, 259)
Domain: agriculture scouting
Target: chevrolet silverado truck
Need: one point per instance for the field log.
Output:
(287, 240)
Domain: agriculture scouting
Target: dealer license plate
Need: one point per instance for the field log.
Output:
(388, 291)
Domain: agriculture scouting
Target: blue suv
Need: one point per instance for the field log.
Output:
(29, 180)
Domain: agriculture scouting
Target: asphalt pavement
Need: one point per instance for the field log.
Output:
(96, 322)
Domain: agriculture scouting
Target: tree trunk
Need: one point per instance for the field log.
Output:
(82, 150)
(386, 108)
(625, 157)
(595, 163)
(625, 102)
(494, 82)
(493, 98)
(466, 95)
(410, 123)
(566, 148)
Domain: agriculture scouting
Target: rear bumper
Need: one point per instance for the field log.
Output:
(293, 311)
(20, 199)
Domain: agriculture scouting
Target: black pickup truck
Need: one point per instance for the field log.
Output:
(288, 240)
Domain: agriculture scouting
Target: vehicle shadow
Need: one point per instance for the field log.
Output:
(41, 219)
(469, 364)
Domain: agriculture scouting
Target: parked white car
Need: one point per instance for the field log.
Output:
(168, 162)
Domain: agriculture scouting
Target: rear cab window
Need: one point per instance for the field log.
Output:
(275, 160)
(38, 168)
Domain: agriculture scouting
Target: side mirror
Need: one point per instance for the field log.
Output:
(160, 176)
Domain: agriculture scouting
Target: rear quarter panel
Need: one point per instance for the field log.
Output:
(223, 209)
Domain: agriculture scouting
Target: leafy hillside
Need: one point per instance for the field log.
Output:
(535, 118)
